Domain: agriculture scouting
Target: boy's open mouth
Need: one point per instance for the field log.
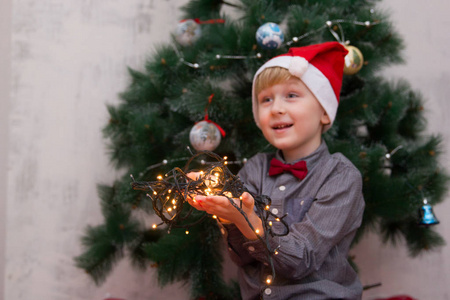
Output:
(282, 126)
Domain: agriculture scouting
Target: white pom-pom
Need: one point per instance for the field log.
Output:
(298, 66)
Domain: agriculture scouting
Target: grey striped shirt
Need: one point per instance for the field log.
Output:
(324, 211)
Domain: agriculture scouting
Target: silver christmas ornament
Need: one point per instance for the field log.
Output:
(205, 136)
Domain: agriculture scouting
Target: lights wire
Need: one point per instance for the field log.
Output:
(169, 194)
(328, 25)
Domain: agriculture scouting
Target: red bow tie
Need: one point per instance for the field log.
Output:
(298, 169)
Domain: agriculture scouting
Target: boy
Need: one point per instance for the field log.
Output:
(295, 99)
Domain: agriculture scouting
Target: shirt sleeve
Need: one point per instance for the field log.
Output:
(332, 220)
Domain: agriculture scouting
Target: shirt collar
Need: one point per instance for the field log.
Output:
(312, 159)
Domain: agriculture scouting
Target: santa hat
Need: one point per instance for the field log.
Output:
(319, 66)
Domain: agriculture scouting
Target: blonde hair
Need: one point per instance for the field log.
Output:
(270, 77)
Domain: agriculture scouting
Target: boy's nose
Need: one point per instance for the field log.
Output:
(278, 106)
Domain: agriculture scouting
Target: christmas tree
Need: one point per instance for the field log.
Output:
(205, 74)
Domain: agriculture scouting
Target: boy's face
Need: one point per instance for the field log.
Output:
(291, 118)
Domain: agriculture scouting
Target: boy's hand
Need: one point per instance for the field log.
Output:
(221, 207)
(193, 175)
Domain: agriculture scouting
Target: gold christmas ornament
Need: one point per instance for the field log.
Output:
(354, 60)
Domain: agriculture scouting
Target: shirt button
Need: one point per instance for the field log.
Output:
(274, 211)
(301, 203)
(251, 248)
(281, 187)
(268, 291)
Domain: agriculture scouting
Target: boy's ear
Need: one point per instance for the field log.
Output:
(325, 119)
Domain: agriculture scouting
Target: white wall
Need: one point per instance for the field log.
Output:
(5, 71)
(68, 59)
(424, 27)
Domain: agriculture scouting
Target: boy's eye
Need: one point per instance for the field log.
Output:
(292, 95)
(265, 99)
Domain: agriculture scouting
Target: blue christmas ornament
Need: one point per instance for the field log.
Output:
(269, 36)
(427, 217)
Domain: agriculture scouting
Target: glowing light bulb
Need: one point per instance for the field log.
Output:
(267, 207)
(228, 194)
(154, 226)
(225, 157)
(174, 201)
(187, 231)
(269, 279)
(155, 193)
(159, 177)
(277, 219)
(169, 209)
(270, 223)
(214, 217)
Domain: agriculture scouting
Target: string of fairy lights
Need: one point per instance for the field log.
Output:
(169, 194)
(332, 25)
(426, 214)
